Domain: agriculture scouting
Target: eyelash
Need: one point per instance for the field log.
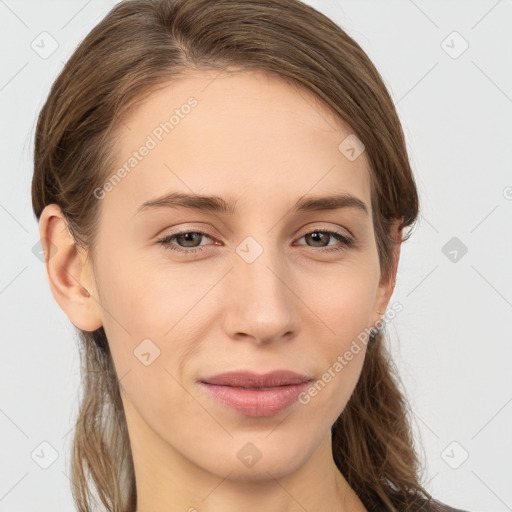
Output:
(165, 241)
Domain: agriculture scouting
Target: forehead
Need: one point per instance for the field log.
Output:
(234, 134)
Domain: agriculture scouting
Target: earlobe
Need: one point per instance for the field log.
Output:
(68, 276)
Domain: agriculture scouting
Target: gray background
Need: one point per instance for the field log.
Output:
(451, 343)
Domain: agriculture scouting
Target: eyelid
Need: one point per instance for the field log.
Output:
(191, 229)
(347, 241)
(314, 228)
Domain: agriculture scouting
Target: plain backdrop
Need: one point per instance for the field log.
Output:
(448, 68)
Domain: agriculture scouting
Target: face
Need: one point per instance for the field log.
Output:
(188, 293)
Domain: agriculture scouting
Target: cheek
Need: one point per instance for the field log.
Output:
(143, 299)
(344, 300)
(140, 307)
(343, 305)
(154, 313)
(135, 314)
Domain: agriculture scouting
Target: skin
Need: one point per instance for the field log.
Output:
(254, 138)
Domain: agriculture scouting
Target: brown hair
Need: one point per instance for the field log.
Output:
(142, 44)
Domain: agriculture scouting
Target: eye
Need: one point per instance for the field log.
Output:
(320, 236)
(186, 237)
(190, 239)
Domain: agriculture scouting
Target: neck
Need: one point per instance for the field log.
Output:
(166, 481)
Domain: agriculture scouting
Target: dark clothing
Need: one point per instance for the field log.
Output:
(440, 507)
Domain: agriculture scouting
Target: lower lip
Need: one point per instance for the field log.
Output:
(256, 402)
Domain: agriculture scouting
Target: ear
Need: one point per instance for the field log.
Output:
(387, 285)
(70, 276)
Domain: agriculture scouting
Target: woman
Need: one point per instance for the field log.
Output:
(222, 188)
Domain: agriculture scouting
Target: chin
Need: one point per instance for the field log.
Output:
(254, 457)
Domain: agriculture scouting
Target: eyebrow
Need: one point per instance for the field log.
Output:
(217, 204)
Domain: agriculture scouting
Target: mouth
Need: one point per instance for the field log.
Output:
(256, 395)
(246, 379)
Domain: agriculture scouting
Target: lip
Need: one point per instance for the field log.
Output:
(256, 395)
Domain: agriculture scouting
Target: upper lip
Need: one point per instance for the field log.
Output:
(247, 379)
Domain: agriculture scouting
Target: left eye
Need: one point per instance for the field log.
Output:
(194, 236)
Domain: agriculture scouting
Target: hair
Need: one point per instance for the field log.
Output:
(144, 44)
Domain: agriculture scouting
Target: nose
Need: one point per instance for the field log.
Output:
(261, 305)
